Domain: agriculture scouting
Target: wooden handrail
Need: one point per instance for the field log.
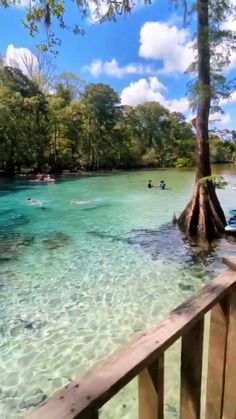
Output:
(82, 398)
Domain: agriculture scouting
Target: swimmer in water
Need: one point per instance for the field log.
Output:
(79, 202)
(34, 202)
(162, 185)
(150, 185)
(49, 179)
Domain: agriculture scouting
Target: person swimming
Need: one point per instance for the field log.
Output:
(150, 185)
(48, 179)
(79, 202)
(162, 185)
(34, 202)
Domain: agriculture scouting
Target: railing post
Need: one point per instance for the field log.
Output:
(229, 402)
(191, 372)
(216, 359)
(151, 391)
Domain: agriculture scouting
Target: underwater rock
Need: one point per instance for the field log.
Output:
(56, 240)
(169, 243)
(166, 243)
(29, 326)
(15, 331)
(12, 244)
(19, 326)
(33, 398)
(103, 235)
(186, 287)
(95, 207)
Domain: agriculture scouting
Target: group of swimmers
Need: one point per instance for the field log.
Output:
(43, 178)
(162, 185)
(38, 203)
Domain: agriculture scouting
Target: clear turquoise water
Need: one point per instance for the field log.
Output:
(78, 281)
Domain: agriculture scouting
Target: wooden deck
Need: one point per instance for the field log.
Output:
(143, 356)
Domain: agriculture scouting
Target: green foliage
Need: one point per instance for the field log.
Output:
(218, 181)
(85, 127)
(184, 162)
(221, 45)
(222, 151)
(52, 13)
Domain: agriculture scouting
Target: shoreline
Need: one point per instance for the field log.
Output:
(103, 172)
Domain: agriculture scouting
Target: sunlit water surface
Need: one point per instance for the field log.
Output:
(78, 281)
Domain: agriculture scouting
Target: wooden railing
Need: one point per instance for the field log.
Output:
(143, 356)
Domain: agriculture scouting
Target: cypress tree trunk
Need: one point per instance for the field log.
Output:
(203, 218)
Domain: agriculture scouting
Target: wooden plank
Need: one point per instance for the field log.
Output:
(191, 372)
(229, 402)
(151, 391)
(216, 360)
(105, 379)
(230, 262)
(160, 385)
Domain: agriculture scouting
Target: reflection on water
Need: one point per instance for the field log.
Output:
(78, 281)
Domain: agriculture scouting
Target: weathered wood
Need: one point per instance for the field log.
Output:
(105, 379)
(191, 372)
(94, 415)
(229, 402)
(217, 358)
(230, 262)
(160, 385)
(151, 391)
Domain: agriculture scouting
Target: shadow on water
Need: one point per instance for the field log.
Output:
(95, 207)
(12, 243)
(169, 243)
(13, 186)
(56, 240)
(13, 221)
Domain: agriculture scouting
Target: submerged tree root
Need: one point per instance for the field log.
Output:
(203, 218)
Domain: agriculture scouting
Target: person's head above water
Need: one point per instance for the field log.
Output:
(29, 199)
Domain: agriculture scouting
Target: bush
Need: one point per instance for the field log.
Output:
(184, 162)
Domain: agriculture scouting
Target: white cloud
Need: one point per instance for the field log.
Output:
(160, 41)
(95, 68)
(112, 68)
(148, 90)
(178, 105)
(220, 119)
(21, 58)
(97, 10)
(140, 92)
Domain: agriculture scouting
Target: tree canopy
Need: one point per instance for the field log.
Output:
(79, 126)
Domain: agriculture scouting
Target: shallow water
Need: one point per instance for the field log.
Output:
(77, 281)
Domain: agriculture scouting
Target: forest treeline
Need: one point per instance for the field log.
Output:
(75, 126)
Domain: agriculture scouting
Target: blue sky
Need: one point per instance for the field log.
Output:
(143, 56)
